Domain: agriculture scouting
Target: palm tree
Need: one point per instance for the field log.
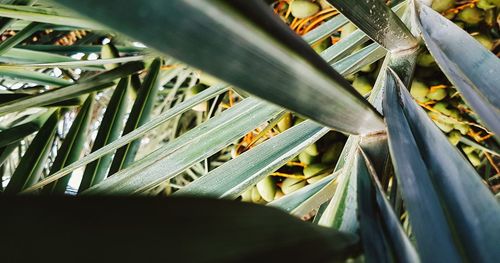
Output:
(398, 192)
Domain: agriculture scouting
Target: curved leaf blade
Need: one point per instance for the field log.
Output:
(475, 73)
(29, 76)
(234, 177)
(401, 249)
(45, 15)
(290, 66)
(94, 83)
(20, 131)
(139, 132)
(32, 163)
(71, 147)
(477, 219)
(139, 115)
(216, 231)
(110, 129)
(180, 154)
(378, 21)
(428, 219)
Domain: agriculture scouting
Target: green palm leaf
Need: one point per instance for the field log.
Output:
(33, 161)
(234, 177)
(378, 22)
(250, 20)
(139, 132)
(180, 154)
(110, 129)
(455, 181)
(379, 225)
(95, 83)
(45, 15)
(475, 73)
(71, 147)
(197, 222)
(139, 115)
(23, 129)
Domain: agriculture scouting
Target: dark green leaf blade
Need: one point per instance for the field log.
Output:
(20, 36)
(111, 126)
(434, 240)
(6, 22)
(235, 176)
(5, 152)
(401, 247)
(6, 97)
(85, 86)
(474, 70)
(80, 48)
(47, 15)
(475, 221)
(198, 230)
(139, 115)
(261, 45)
(375, 243)
(178, 155)
(71, 147)
(30, 76)
(18, 132)
(33, 161)
(377, 20)
(138, 133)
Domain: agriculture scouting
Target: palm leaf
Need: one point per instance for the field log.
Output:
(6, 97)
(197, 222)
(455, 181)
(30, 76)
(139, 132)
(22, 55)
(71, 147)
(308, 198)
(434, 240)
(180, 154)
(250, 20)
(45, 15)
(350, 43)
(5, 153)
(325, 29)
(475, 73)
(53, 49)
(96, 65)
(23, 129)
(378, 21)
(234, 177)
(20, 36)
(341, 212)
(97, 82)
(236, 182)
(33, 161)
(7, 22)
(139, 115)
(376, 245)
(110, 129)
